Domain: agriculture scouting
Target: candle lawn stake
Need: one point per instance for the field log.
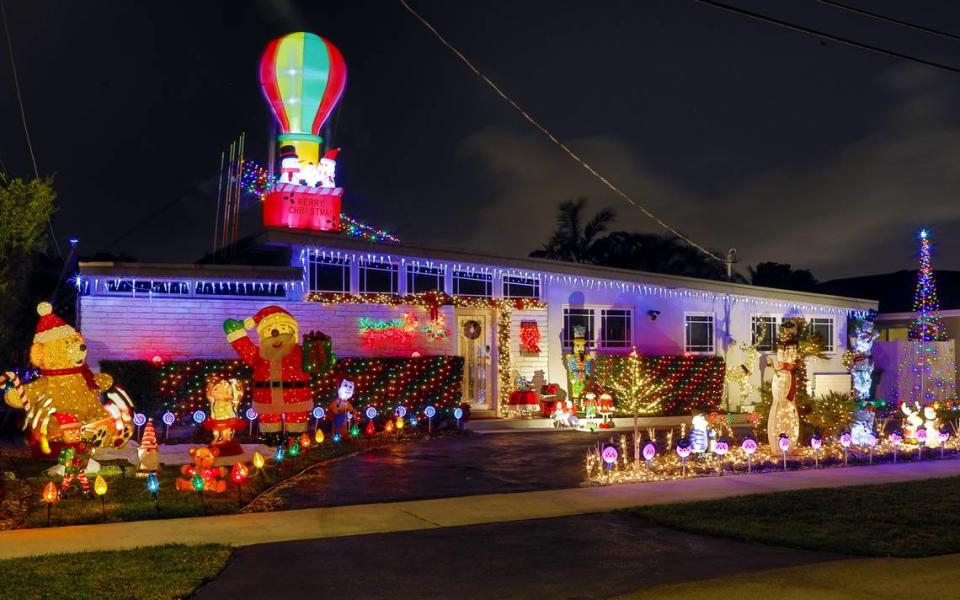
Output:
(784, 444)
(845, 440)
(816, 442)
(100, 489)
(198, 486)
(153, 486)
(49, 496)
(239, 475)
(749, 446)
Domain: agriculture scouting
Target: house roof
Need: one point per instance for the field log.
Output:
(191, 271)
(287, 237)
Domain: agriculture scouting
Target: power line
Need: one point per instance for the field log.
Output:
(23, 114)
(827, 36)
(880, 17)
(553, 138)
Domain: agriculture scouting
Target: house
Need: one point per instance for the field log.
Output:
(348, 288)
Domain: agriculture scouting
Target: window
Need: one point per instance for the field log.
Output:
(574, 318)
(472, 284)
(698, 336)
(616, 328)
(328, 274)
(824, 326)
(145, 286)
(227, 288)
(424, 279)
(377, 277)
(764, 332)
(520, 287)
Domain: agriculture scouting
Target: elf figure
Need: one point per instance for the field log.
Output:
(579, 364)
(75, 455)
(281, 386)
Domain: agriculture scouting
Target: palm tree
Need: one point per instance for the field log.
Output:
(574, 241)
(783, 276)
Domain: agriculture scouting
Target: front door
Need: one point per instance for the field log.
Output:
(474, 344)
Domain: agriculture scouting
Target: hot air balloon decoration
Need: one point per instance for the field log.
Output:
(303, 77)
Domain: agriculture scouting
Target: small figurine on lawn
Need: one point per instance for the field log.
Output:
(148, 453)
(341, 409)
(74, 455)
(606, 410)
(213, 477)
(224, 396)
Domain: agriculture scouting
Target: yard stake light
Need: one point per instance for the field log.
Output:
(458, 414)
(198, 486)
(816, 442)
(683, 451)
(252, 416)
(872, 441)
(318, 436)
(305, 441)
(168, 419)
(944, 436)
(749, 446)
(921, 440)
(153, 486)
(720, 448)
(895, 438)
(429, 411)
(49, 496)
(845, 440)
(784, 446)
(239, 474)
(649, 451)
(318, 414)
(278, 457)
(139, 420)
(100, 489)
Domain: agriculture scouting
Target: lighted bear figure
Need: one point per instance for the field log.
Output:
(203, 459)
(341, 409)
(67, 385)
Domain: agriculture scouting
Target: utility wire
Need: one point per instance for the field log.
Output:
(23, 115)
(553, 138)
(826, 36)
(880, 17)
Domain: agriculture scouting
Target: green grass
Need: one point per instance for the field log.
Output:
(919, 518)
(127, 498)
(876, 578)
(157, 573)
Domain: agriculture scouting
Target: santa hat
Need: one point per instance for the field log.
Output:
(270, 316)
(66, 420)
(50, 327)
(149, 440)
(331, 154)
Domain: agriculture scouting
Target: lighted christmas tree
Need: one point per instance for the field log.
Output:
(927, 326)
(638, 393)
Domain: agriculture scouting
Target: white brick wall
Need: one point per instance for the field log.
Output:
(123, 328)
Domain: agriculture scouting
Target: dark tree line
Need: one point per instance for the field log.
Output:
(582, 238)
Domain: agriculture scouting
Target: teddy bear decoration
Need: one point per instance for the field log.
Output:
(203, 465)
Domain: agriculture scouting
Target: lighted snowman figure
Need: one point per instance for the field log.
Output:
(289, 165)
(932, 426)
(327, 171)
(699, 437)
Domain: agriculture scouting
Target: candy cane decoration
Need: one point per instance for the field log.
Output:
(11, 378)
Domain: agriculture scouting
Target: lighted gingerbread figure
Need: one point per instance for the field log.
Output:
(341, 409)
(75, 453)
(224, 396)
(213, 477)
(282, 395)
(67, 385)
(579, 364)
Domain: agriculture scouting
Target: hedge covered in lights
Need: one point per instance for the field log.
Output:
(695, 383)
(178, 386)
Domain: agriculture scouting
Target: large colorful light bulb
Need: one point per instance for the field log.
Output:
(302, 76)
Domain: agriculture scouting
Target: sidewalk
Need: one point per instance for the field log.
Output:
(259, 528)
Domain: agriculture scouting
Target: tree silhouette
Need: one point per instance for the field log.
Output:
(574, 240)
(783, 276)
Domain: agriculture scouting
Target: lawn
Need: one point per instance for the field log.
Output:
(840, 580)
(910, 519)
(158, 573)
(127, 498)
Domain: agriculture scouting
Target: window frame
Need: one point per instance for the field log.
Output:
(393, 269)
(687, 316)
(566, 339)
(830, 345)
(602, 341)
(521, 281)
(771, 343)
(458, 275)
(314, 261)
(438, 272)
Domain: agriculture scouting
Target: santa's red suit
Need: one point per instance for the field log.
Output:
(281, 388)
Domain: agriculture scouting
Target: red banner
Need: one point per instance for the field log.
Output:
(302, 207)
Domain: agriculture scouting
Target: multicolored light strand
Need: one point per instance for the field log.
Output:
(927, 326)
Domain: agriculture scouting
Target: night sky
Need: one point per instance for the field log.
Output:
(739, 133)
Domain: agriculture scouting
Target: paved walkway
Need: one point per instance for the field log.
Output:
(315, 523)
